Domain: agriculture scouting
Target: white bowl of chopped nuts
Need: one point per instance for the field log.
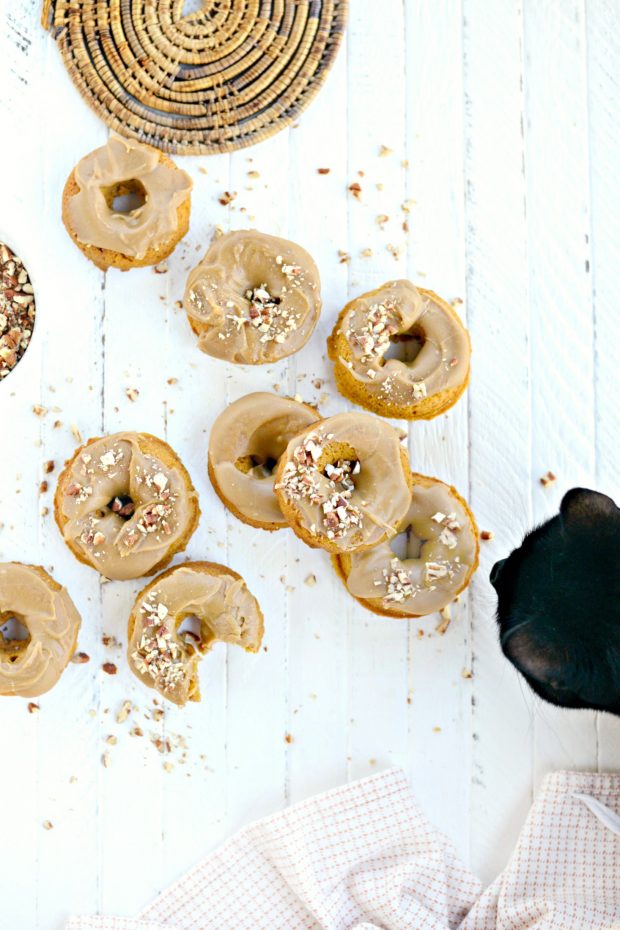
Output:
(17, 307)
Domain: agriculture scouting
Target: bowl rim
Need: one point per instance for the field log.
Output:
(28, 253)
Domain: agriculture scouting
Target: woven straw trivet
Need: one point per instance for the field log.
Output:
(223, 77)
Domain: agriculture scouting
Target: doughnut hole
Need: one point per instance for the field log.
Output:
(405, 347)
(189, 629)
(125, 197)
(259, 466)
(14, 637)
(344, 458)
(123, 506)
(405, 545)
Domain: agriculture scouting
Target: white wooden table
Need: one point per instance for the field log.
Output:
(504, 121)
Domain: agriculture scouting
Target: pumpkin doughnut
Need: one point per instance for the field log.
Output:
(246, 442)
(125, 505)
(422, 388)
(344, 483)
(442, 555)
(165, 657)
(30, 667)
(156, 195)
(253, 299)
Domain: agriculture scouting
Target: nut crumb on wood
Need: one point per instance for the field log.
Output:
(80, 658)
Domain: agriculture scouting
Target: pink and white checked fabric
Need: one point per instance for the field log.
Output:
(363, 857)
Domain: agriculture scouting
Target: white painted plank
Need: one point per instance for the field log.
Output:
(440, 760)
(499, 404)
(193, 403)
(558, 227)
(318, 653)
(603, 57)
(378, 669)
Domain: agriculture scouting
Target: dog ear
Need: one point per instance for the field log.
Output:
(582, 508)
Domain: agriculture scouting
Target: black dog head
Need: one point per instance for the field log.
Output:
(559, 604)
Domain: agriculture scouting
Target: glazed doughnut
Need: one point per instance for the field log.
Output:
(422, 388)
(157, 195)
(344, 483)
(246, 442)
(32, 666)
(253, 299)
(442, 555)
(125, 505)
(165, 657)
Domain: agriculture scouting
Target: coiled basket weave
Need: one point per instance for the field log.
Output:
(218, 78)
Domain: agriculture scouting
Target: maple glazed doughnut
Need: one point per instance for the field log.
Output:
(424, 386)
(344, 483)
(32, 665)
(165, 657)
(125, 505)
(253, 299)
(126, 204)
(246, 442)
(441, 557)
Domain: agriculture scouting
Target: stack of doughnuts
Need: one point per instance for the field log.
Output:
(344, 484)
(403, 544)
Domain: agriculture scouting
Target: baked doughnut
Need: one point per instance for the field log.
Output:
(126, 204)
(253, 299)
(31, 666)
(344, 483)
(165, 657)
(442, 555)
(424, 386)
(125, 505)
(246, 442)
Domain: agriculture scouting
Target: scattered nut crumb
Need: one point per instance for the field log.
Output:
(111, 740)
(39, 411)
(227, 197)
(344, 257)
(446, 617)
(109, 668)
(80, 658)
(123, 712)
(547, 479)
(132, 393)
(323, 170)
(384, 151)
(466, 673)
(33, 708)
(48, 825)
(105, 760)
(310, 580)
(48, 467)
(356, 190)
(382, 219)
(288, 738)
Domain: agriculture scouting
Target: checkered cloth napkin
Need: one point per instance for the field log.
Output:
(363, 857)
